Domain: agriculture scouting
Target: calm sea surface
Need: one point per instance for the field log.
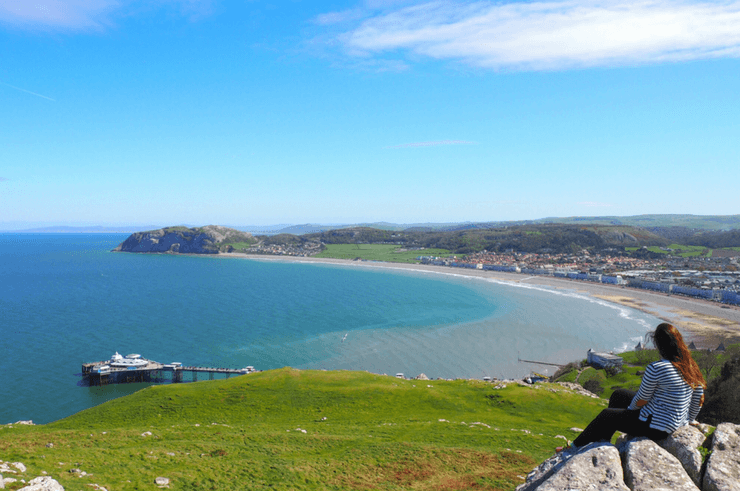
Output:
(65, 300)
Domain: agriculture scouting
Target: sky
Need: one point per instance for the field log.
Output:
(252, 112)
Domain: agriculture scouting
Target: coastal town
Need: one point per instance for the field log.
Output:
(711, 278)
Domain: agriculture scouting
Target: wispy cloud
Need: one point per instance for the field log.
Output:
(62, 14)
(432, 144)
(28, 91)
(549, 35)
(75, 15)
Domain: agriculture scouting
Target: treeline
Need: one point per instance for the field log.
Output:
(715, 240)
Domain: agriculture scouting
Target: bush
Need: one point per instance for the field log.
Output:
(646, 356)
(593, 385)
(722, 397)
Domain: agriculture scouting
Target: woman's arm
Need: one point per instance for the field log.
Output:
(646, 390)
(697, 401)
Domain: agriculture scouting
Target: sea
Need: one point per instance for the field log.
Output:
(66, 299)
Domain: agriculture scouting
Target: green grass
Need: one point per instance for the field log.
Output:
(362, 431)
(377, 252)
(677, 250)
(238, 246)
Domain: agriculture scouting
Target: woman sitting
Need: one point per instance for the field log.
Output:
(669, 397)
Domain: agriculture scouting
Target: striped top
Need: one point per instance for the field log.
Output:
(671, 401)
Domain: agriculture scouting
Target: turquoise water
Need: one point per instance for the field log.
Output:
(65, 300)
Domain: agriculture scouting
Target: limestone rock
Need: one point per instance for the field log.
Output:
(684, 444)
(421, 376)
(43, 483)
(647, 467)
(597, 469)
(595, 466)
(19, 466)
(723, 467)
(2, 483)
(200, 240)
(162, 481)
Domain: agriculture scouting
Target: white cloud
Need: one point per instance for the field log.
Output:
(551, 35)
(76, 15)
(432, 144)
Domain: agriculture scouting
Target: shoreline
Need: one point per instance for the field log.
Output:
(703, 322)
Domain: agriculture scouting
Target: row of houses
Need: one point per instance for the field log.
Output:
(722, 295)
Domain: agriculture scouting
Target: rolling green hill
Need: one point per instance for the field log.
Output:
(291, 429)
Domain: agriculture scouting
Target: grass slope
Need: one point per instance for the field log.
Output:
(378, 252)
(291, 429)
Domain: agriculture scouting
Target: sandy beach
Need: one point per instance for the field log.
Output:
(705, 323)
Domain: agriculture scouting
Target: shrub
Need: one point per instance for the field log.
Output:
(593, 385)
(722, 397)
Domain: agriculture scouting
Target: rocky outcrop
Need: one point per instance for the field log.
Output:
(639, 464)
(723, 466)
(596, 467)
(43, 483)
(211, 239)
(649, 467)
(684, 444)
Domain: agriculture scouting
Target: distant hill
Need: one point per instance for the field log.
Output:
(705, 222)
(556, 238)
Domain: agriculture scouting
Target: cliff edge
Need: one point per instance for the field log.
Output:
(210, 239)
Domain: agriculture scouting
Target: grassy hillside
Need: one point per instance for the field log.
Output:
(378, 252)
(290, 429)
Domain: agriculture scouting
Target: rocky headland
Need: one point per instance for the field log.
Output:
(211, 239)
(691, 459)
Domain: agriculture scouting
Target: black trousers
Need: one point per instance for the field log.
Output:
(618, 418)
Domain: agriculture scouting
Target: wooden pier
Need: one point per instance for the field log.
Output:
(115, 371)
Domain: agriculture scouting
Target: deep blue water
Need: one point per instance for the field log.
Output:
(65, 300)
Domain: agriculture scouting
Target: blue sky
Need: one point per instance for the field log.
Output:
(119, 112)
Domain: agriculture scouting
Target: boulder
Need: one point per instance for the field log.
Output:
(684, 444)
(723, 466)
(43, 483)
(595, 466)
(162, 481)
(597, 469)
(648, 467)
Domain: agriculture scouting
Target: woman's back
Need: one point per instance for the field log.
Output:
(671, 400)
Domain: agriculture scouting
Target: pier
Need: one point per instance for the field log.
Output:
(133, 368)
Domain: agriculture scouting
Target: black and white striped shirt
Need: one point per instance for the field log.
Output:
(671, 401)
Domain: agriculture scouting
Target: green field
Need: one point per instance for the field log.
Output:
(378, 252)
(678, 250)
(291, 429)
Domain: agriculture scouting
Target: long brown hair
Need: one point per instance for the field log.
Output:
(671, 347)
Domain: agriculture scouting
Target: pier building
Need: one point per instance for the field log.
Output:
(133, 368)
